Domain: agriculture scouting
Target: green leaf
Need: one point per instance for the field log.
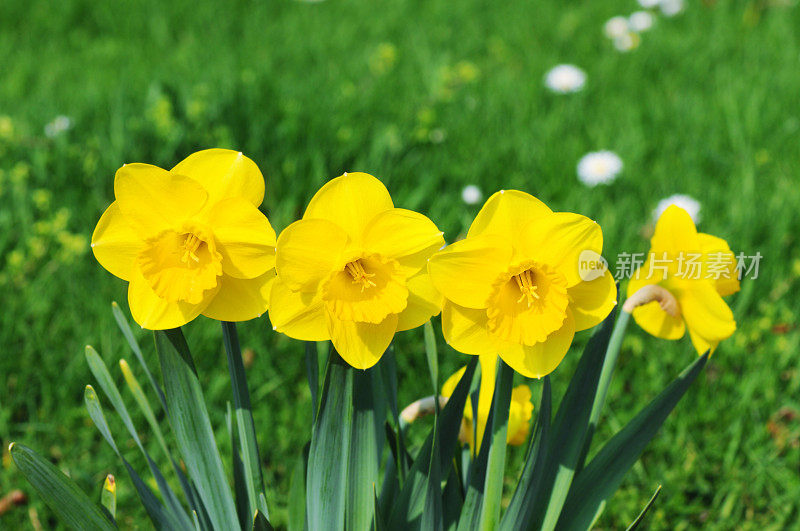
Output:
(410, 504)
(570, 426)
(245, 424)
(239, 487)
(190, 423)
(452, 498)
(639, 519)
(600, 479)
(70, 504)
(520, 511)
(261, 523)
(326, 482)
(432, 354)
(312, 373)
(364, 458)
(297, 494)
(495, 468)
(108, 496)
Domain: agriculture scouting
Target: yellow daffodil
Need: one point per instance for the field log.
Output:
(696, 270)
(353, 270)
(513, 287)
(519, 415)
(190, 240)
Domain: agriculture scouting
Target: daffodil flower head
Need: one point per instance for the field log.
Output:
(190, 240)
(697, 270)
(514, 287)
(519, 415)
(352, 270)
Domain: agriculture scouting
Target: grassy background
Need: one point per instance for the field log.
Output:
(429, 96)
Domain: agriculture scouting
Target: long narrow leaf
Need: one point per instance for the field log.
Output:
(600, 479)
(364, 458)
(192, 427)
(639, 519)
(326, 483)
(249, 454)
(72, 506)
(297, 494)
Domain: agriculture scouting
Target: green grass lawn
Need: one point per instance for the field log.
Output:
(429, 96)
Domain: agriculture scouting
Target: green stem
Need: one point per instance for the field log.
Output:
(609, 364)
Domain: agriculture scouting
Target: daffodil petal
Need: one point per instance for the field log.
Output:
(519, 415)
(115, 244)
(505, 212)
(675, 233)
(351, 201)
(706, 313)
(424, 301)
(404, 235)
(592, 301)
(467, 330)
(449, 386)
(153, 312)
(465, 271)
(542, 358)
(224, 173)
(559, 239)
(299, 315)
(153, 199)
(241, 299)
(716, 249)
(655, 321)
(245, 239)
(702, 344)
(361, 344)
(308, 251)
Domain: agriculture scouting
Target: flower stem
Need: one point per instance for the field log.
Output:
(609, 364)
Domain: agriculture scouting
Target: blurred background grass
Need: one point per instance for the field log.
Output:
(429, 96)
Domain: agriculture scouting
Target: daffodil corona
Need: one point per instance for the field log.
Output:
(190, 240)
(514, 287)
(696, 270)
(353, 270)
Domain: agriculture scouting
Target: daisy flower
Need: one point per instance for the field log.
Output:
(599, 167)
(471, 194)
(565, 79)
(671, 8)
(640, 21)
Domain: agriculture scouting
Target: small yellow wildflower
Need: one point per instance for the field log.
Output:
(513, 286)
(353, 270)
(519, 415)
(698, 270)
(190, 240)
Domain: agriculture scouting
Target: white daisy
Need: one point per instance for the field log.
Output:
(616, 27)
(649, 4)
(640, 21)
(686, 202)
(671, 8)
(599, 167)
(57, 126)
(627, 42)
(471, 194)
(565, 79)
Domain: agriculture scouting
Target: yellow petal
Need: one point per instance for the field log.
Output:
(244, 237)
(506, 212)
(308, 251)
(449, 386)
(485, 394)
(675, 233)
(379, 291)
(716, 249)
(706, 313)
(592, 301)
(467, 330)
(224, 173)
(241, 299)
(465, 271)
(702, 344)
(299, 315)
(361, 344)
(542, 358)
(559, 239)
(424, 301)
(153, 199)
(519, 415)
(155, 313)
(350, 201)
(115, 244)
(657, 322)
(404, 235)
